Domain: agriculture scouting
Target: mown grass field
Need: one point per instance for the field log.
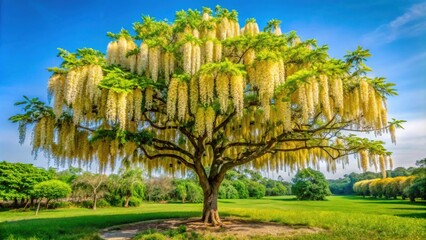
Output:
(343, 217)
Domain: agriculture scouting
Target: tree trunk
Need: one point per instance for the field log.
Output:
(210, 209)
(95, 198)
(126, 204)
(38, 207)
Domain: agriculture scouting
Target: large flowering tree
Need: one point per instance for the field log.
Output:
(204, 94)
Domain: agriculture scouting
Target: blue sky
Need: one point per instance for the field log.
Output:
(394, 31)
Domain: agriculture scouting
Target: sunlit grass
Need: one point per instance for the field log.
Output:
(342, 217)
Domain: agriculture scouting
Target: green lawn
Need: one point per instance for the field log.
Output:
(342, 217)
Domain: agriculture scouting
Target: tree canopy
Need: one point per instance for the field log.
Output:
(310, 185)
(17, 180)
(205, 94)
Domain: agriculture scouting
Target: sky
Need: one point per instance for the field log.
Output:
(393, 31)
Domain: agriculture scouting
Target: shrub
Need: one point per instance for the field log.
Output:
(241, 188)
(255, 189)
(102, 203)
(87, 204)
(135, 202)
(194, 192)
(310, 185)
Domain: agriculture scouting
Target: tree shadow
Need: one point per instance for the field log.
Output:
(412, 215)
(284, 199)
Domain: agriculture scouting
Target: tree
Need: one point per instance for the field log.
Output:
(130, 183)
(202, 94)
(93, 184)
(158, 189)
(309, 184)
(52, 189)
(17, 180)
(70, 174)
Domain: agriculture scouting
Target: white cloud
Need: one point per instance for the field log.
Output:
(410, 23)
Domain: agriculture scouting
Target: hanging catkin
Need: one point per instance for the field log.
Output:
(143, 59)
(111, 113)
(122, 51)
(237, 93)
(172, 96)
(112, 53)
(209, 122)
(222, 89)
(121, 109)
(187, 57)
(324, 97)
(193, 95)
(200, 126)
(154, 62)
(182, 100)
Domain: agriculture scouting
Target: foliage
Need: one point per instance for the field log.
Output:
(17, 180)
(130, 184)
(69, 175)
(256, 190)
(386, 187)
(241, 188)
(93, 185)
(227, 191)
(52, 189)
(309, 184)
(158, 189)
(187, 190)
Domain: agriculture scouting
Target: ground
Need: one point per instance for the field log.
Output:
(232, 228)
(341, 217)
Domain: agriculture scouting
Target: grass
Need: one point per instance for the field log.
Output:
(344, 217)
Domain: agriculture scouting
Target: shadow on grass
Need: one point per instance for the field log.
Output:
(80, 227)
(284, 199)
(412, 215)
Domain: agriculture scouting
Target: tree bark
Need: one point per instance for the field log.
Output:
(126, 204)
(210, 208)
(95, 198)
(38, 207)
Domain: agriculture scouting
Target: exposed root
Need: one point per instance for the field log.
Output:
(212, 217)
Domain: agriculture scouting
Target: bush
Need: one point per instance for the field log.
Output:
(135, 202)
(194, 192)
(255, 189)
(227, 191)
(241, 188)
(151, 236)
(87, 204)
(275, 188)
(114, 200)
(310, 185)
(102, 203)
(61, 205)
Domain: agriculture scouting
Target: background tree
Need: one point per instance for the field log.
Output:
(70, 174)
(309, 184)
(94, 185)
(130, 184)
(418, 187)
(50, 190)
(17, 180)
(158, 189)
(201, 93)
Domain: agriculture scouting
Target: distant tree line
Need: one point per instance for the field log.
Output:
(412, 187)
(344, 186)
(23, 185)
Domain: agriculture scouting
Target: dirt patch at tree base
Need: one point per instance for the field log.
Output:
(233, 227)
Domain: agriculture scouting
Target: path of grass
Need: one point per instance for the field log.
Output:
(343, 217)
